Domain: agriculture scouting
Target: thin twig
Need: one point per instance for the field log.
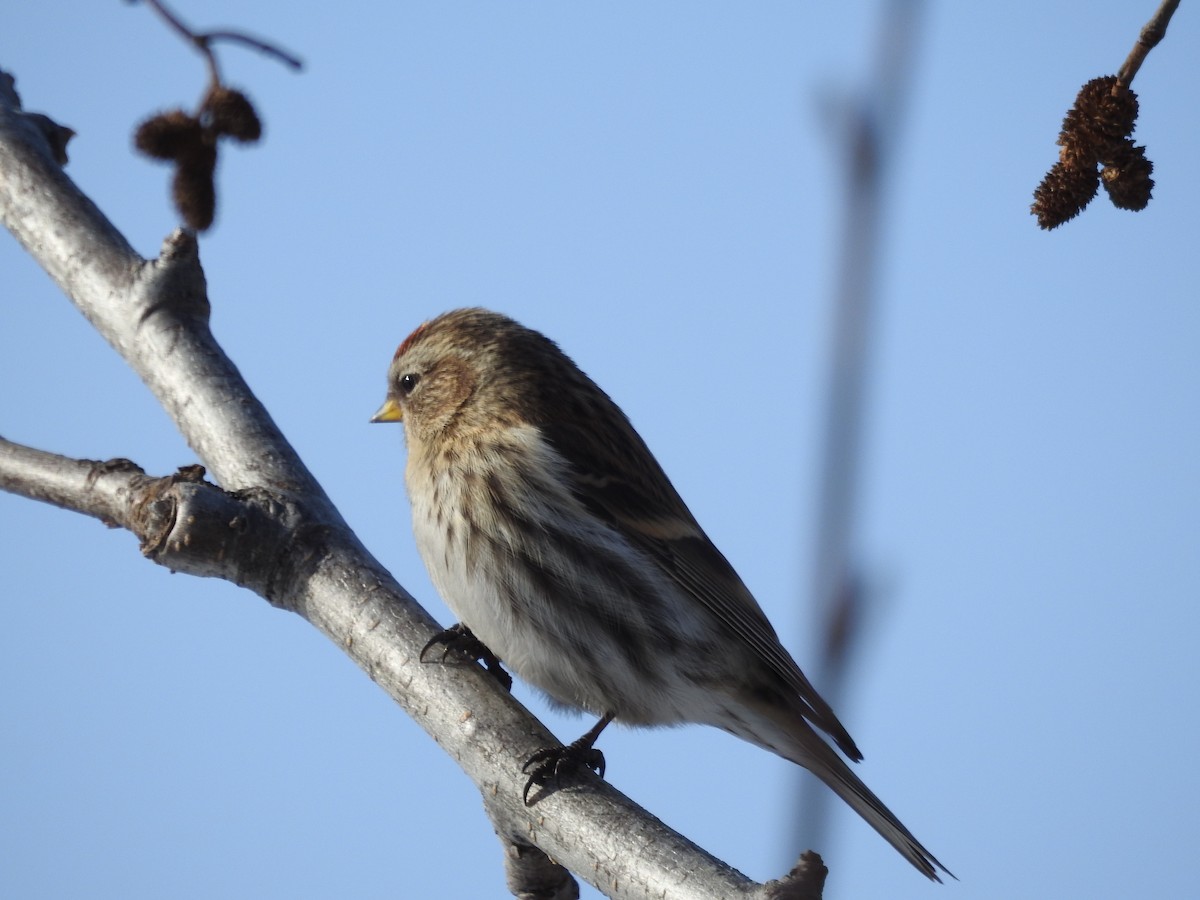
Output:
(1152, 32)
(203, 41)
(238, 37)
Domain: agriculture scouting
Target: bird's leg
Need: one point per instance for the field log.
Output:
(461, 641)
(546, 766)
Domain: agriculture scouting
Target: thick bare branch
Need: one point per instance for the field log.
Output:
(181, 521)
(155, 314)
(268, 543)
(98, 489)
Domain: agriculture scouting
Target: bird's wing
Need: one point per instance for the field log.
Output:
(619, 481)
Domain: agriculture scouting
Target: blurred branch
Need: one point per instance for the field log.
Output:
(869, 126)
(270, 527)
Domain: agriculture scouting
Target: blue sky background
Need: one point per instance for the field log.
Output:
(657, 187)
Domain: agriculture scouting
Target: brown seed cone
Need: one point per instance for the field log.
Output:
(169, 135)
(1063, 194)
(1126, 177)
(193, 189)
(1098, 121)
(231, 113)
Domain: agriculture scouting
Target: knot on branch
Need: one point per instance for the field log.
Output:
(253, 538)
(806, 880)
(532, 875)
(175, 283)
(57, 136)
(54, 135)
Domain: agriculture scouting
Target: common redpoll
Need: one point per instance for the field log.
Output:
(555, 536)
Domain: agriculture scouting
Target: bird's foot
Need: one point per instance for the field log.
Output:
(547, 766)
(459, 641)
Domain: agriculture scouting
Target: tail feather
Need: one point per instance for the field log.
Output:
(790, 736)
(832, 770)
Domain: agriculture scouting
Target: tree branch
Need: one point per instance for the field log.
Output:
(181, 521)
(843, 606)
(271, 528)
(806, 881)
(1152, 32)
(203, 41)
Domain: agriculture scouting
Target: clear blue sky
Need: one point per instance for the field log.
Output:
(656, 187)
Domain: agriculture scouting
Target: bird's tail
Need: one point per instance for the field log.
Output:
(795, 740)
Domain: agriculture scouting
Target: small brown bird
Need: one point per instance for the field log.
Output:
(555, 536)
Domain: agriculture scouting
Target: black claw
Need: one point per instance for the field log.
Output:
(460, 641)
(550, 763)
(548, 766)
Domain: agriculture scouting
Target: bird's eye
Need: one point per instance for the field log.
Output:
(408, 382)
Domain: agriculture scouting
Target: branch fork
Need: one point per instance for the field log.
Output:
(267, 525)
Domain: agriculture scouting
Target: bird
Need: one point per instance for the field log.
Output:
(556, 538)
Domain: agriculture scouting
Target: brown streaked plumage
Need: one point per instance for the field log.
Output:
(553, 533)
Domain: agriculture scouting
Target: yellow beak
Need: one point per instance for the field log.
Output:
(389, 412)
